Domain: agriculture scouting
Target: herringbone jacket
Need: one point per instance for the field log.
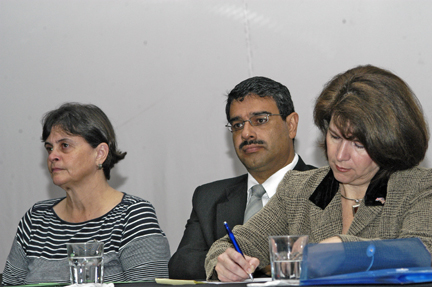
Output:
(309, 203)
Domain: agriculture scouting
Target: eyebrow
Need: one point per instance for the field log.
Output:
(339, 133)
(60, 140)
(251, 115)
(332, 130)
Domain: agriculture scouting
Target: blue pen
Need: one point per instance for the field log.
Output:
(234, 242)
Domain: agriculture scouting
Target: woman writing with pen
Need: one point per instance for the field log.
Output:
(375, 135)
(234, 242)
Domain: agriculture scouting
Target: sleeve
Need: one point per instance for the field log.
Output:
(144, 252)
(417, 218)
(188, 261)
(16, 268)
(253, 235)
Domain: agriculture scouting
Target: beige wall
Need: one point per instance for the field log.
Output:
(160, 70)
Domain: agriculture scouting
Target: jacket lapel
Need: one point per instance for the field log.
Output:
(326, 210)
(372, 204)
(231, 208)
(326, 222)
(363, 217)
(327, 206)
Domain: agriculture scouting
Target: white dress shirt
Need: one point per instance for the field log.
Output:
(271, 184)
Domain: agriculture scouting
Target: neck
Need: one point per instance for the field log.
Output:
(260, 179)
(263, 173)
(85, 204)
(353, 192)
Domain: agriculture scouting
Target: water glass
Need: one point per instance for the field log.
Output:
(286, 255)
(86, 262)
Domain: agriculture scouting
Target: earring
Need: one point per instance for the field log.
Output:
(100, 166)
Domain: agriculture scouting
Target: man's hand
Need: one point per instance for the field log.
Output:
(231, 266)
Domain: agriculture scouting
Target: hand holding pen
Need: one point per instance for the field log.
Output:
(234, 242)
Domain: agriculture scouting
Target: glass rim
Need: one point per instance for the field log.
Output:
(285, 236)
(85, 243)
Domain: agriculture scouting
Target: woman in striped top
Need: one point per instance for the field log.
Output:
(81, 146)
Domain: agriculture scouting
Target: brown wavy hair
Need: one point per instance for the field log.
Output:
(377, 108)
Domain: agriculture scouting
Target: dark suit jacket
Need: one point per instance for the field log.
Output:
(212, 204)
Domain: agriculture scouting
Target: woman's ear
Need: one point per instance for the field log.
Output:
(102, 151)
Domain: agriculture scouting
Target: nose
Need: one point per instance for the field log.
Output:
(343, 151)
(248, 131)
(53, 156)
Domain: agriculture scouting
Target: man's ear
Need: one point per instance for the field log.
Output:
(102, 151)
(292, 122)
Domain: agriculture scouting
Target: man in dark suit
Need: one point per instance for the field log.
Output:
(263, 124)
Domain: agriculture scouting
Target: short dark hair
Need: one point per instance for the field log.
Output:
(263, 87)
(377, 108)
(89, 122)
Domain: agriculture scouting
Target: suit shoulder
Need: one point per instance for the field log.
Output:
(409, 178)
(302, 166)
(309, 167)
(218, 187)
(295, 180)
(224, 182)
(415, 172)
(297, 174)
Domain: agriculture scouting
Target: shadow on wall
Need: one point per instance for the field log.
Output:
(318, 156)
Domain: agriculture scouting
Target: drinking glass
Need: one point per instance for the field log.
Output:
(286, 255)
(86, 262)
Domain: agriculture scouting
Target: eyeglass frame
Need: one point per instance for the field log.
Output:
(229, 125)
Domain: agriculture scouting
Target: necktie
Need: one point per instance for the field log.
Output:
(255, 203)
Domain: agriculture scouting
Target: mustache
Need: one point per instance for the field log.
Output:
(250, 142)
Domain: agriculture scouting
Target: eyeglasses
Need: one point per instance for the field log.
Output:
(258, 120)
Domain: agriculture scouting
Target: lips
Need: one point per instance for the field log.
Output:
(251, 148)
(55, 169)
(341, 169)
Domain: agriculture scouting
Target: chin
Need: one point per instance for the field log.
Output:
(58, 181)
(341, 178)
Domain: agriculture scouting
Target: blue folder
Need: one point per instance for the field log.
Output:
(399, 261)
(384, 276)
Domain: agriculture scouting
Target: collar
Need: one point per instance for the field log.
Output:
(271, 184)
(375, 194)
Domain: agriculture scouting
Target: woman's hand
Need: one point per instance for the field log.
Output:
(232, 266)
(334, 239)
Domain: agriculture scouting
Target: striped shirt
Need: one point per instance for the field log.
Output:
(135, 247)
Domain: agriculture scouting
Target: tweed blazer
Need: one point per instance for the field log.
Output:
(310, 203)
(213, 203)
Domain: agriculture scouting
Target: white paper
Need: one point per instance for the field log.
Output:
(276, 283)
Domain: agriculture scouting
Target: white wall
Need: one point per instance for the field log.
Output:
(160, 70)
